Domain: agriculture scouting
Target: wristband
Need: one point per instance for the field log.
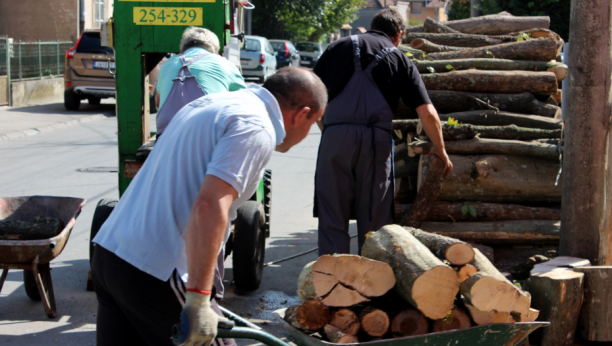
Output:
(196, 290)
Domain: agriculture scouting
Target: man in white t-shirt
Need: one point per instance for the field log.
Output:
(161, 249)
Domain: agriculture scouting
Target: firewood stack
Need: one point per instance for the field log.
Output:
(494, 82)
(440, 284)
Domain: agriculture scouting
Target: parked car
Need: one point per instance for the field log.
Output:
(286, 53)
(87, 74)
(257, 58)
(310, 52)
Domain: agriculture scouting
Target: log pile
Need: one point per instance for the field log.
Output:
(408, 282)
(492, 80)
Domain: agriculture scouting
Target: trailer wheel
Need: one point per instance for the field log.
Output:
(249, 246)
(103, 210)
(29, 283)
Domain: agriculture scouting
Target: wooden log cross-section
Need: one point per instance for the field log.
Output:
(337, 336)
(374, 322)
(538, 83)
(541, 49)
(308, 317)
(559, 69)
(487, 317)
(455, 251)
(409, 322)
(457, 319)
(345, 320)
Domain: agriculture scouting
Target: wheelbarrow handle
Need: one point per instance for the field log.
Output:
(251, 334)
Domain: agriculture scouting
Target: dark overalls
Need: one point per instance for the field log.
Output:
(354, 177)
(185, 88)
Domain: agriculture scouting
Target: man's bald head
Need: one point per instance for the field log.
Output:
(297, 87)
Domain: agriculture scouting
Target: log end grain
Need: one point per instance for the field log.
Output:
(435, 290)
(342, 296)
(345, 320)
(465, 271)
(313, 314)
(323, 283)
(457, 319)
(375, 323)
(409, 322)
(460, 253)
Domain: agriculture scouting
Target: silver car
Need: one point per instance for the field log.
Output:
(257, 58)
(310, 52)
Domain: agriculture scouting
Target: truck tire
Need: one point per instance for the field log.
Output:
(29, 283)
(267, 200)
(72, 101)
(103, 210)
(249, 246)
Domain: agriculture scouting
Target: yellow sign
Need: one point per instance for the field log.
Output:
(171, 0)
(168, 16)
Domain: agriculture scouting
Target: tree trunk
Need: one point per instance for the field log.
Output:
(452, 212)
(525, 103)
(498, 25)
(466, 271)
(557, 293)
(499, 178)
(422, 279)
(537, 33)
(479, 146)
(596, 314)
(541, 49)
(313, 315)
(345, 320)
(458, 39)
(492, 118)
(427, 194)
(453, 250)
(487, 293)
(488, 317)
(430, 47)
(513, 132)
(409, 322)
(527, 232)
(587, 175)
(539, 83)
(411, 52)
(434, 26)
(337, 336)
(458, 319)
(374, 322)
(559, 69)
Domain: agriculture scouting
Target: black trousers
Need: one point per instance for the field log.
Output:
(135, 308)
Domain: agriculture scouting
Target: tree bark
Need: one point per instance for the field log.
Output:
(525, 103)
(505, 132)
(559, 69)
(313, 315)
(409, 322)
(498, 24)
(422, 279)
(596, 313)
(587, 175)
(538, 83)
(374, 322)
(541, 49)
(434, 26)
(459, 39)
(458, 319)
(517, 232)
(538, 33)
(478, 146)
(453, 250)
(345, 320)
(337, 336)
(414, 53)
(500, 178)
(430, 47)
(451, 212)
(492, 118)
(427, 194)
(466, 271)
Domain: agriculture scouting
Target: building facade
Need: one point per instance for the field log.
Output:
(33, 20)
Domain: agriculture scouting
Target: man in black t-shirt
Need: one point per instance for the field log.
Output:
(365, 76)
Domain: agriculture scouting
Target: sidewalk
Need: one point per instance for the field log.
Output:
(17, 122)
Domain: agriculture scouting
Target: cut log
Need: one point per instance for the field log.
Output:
(458, 39)
(306, 290)
(374, 322)
(541, 49)
(457, 319)
(539, 83)
(498, 24)
(515, 132)
(430, 47)
(406, 125)
(537, 33)
(291, 318)
(41, 227)
(411, 52)
(453, 250)
(313, 315)
(492, 146)
(559, 69)
(434, 26)
(503, 118)
(427, 194)
(345, 320)
(517, 232)
(557, 293)
(557, 97)
(523, 103)
(466, 271)
(487, 317)
(342, 296)
(422, 279)
(499, 178)
(596, 313)
(409, 322)
(487, 293)
(337, 336)
(531, 316)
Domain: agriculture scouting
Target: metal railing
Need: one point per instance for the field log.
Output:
(32, 60)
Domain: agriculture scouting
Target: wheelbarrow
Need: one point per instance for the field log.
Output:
(33, 256)
(486, 335)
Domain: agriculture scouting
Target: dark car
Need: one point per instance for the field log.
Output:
(287, 55)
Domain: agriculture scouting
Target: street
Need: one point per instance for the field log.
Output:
(81, 161)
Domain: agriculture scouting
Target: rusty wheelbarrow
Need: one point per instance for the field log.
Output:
(20, 251)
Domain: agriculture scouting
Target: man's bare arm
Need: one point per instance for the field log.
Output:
(205, 230)
(431, 124)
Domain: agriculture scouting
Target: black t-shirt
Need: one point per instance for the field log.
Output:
(395, 75)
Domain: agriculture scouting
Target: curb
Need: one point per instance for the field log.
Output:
(48, 128)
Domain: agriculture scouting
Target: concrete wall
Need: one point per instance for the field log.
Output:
(45, 20)
(37, 92)
(3, 95)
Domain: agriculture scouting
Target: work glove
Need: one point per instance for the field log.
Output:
(202, 320)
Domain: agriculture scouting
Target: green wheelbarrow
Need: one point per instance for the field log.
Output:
(487, 335)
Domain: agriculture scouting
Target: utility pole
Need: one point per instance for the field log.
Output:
(473, 11)
(586, 214)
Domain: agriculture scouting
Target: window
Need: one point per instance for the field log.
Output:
(416, 7)
(251, 45)
(99, 13)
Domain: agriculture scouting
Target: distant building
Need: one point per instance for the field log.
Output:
(95, 12)
(419, 10)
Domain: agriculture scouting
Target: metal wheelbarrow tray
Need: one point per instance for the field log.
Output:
(35, 255)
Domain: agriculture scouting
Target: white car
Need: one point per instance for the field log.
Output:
(257, 58)
(310, 52)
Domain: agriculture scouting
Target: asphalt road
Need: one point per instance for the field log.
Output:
(81, 161)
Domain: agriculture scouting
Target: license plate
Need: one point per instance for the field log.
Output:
(103, 64)
(244, 61)
(168, 16)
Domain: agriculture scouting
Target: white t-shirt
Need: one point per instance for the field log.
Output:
(229, 135)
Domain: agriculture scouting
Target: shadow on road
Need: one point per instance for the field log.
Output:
(107, 109)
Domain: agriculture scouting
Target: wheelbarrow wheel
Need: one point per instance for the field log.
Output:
(103, 211)
(29, 283)
(249, 246)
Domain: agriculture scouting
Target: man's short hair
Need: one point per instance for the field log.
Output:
(388, 21)
(297, 87)
(199, 37)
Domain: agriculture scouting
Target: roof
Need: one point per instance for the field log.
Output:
(436, 3)
(346, 26)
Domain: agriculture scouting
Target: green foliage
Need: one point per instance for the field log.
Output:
(413, 21)
(468, 208)
(459, 9)
(489, 7)
(450, 68)
(448, 319)
(452, 122)
(523, 37)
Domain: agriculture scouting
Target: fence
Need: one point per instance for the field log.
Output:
(32, 60)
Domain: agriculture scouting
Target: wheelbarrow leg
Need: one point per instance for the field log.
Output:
(42, 274)
(3, 277)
